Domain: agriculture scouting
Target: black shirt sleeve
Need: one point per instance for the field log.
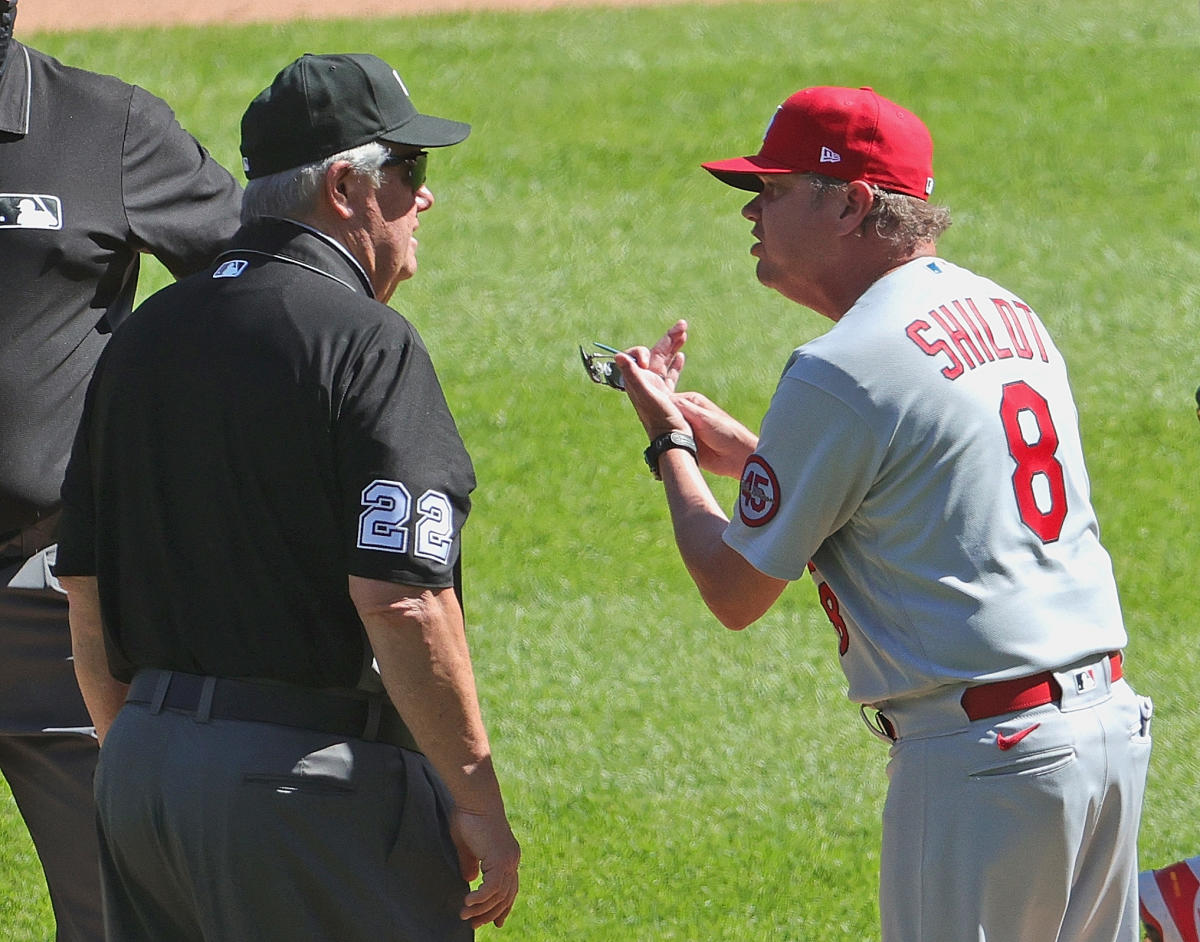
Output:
(182, 206)
(405, 475)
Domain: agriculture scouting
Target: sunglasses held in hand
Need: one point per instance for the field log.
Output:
(600, 366)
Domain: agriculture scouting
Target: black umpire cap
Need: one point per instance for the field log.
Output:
(321, 105)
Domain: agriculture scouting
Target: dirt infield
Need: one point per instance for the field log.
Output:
(36, 15)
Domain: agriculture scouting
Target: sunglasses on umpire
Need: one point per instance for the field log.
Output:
(415, 164)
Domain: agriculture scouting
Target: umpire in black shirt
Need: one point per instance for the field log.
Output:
(260, 543)
(93, 172)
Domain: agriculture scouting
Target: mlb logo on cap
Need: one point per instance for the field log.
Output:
(846, 133)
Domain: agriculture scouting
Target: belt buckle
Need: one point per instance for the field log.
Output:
(1084, 680)
(1084, 686)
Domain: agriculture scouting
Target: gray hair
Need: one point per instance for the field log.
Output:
(292, 193)
(905, 220)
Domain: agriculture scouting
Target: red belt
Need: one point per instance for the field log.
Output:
(1021, 693)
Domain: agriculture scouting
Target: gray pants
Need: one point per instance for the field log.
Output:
(47, 751)
(1017, 828)
(219, 829)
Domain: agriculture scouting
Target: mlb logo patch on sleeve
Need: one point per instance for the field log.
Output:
(30, 211)
(231, 269)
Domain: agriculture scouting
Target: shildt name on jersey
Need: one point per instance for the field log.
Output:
(965, 335)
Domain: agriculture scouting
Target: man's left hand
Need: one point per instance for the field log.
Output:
(651, 375)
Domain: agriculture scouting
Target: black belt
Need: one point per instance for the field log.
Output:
(371, 718)
(23, 543)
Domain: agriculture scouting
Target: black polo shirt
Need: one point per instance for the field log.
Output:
(253, 434)
(92, 172)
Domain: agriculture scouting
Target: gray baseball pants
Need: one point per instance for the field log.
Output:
(47, 750)
(1021, 827)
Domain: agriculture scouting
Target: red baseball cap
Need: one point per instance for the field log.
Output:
(846, 133)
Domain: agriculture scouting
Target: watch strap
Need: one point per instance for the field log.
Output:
(663, 443)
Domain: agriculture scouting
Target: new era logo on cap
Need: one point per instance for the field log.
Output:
(829, 156)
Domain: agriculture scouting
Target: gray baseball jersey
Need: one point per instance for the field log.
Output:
(924, 454)
(922, 459)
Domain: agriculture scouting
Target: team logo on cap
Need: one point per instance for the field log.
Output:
(830, 156)
(758, 497)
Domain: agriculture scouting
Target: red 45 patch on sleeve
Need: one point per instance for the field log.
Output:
(758, 497)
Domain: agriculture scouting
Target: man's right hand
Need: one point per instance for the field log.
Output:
(723, 443)
(486, 844)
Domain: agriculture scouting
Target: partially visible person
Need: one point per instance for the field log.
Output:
(261, 544)
(1170, 902)
(93, 173)
(922, 460)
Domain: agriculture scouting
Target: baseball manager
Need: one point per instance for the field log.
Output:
(93, 172)
(261, 542)
(922, 460)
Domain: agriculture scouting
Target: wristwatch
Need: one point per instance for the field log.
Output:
(666, 442)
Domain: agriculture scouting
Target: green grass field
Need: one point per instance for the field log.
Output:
(670, 780)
